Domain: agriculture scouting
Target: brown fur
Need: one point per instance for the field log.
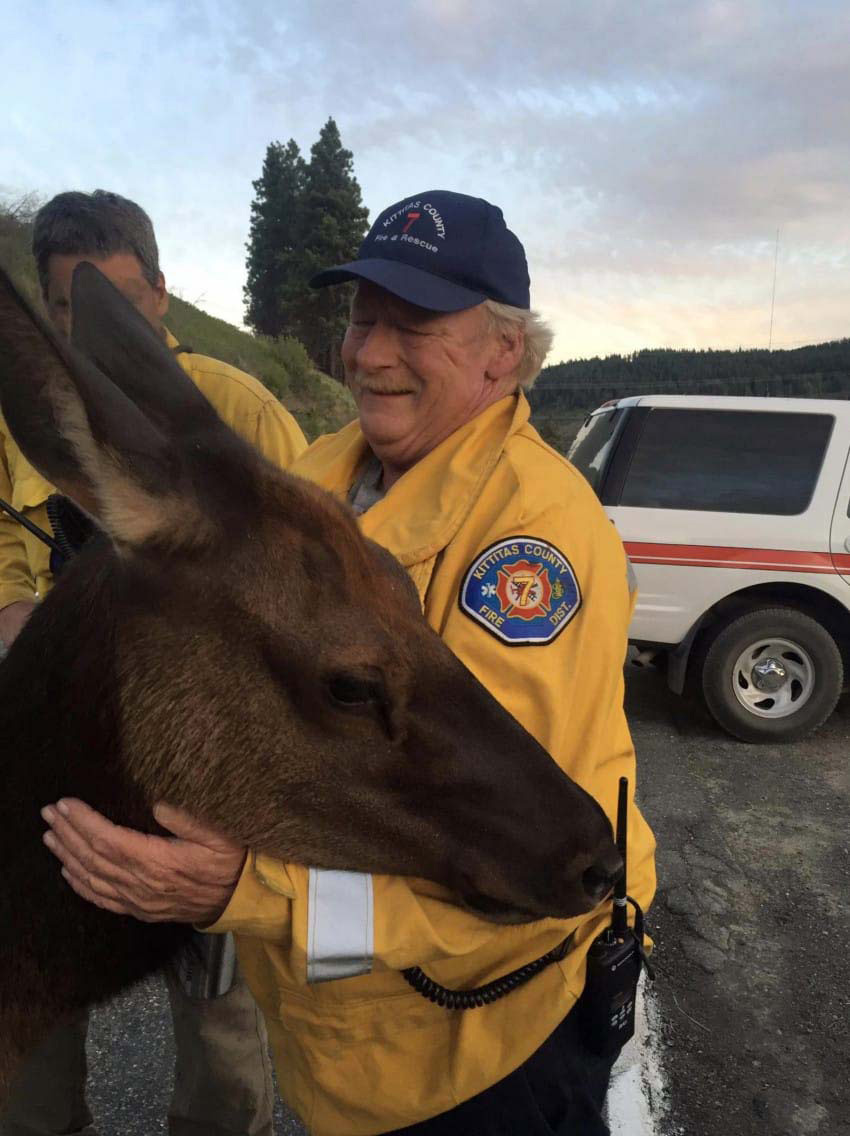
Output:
(205, 652)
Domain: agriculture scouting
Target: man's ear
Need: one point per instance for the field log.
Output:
(161, 296)
(506, 353)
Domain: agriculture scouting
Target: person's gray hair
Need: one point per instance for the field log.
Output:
(95, 224)
(538, 337)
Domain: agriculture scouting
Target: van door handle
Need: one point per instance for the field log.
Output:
(847, 543)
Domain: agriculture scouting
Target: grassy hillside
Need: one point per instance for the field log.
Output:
(318, 402)
(15, 255)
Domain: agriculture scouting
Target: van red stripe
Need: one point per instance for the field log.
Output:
(719, 556)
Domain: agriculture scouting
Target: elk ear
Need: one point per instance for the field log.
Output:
(117, 338)
(79, 430)
(33, 382)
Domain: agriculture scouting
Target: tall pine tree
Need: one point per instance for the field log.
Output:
(332, 221)
(273, 237)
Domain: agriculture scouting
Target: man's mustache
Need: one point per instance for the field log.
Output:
(385, 385)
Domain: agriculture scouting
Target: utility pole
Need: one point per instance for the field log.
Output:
(773, 296)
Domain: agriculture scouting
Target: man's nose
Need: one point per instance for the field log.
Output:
(378, 348)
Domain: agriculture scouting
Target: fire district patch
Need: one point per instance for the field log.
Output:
(523, 590)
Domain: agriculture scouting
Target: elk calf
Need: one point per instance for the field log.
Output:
(232, 645)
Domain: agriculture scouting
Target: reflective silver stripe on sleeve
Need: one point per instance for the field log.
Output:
(341, 930)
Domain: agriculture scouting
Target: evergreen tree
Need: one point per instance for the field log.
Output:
(273, 237)
(332, 221)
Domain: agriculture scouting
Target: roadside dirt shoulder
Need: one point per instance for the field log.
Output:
(752, 920)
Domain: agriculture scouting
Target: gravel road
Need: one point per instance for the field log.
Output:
(751, 921)
(131, 1058)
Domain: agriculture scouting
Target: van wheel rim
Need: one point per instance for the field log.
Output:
(773, 678)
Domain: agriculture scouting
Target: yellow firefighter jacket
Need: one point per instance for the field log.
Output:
(244, 404)
(366, 1054)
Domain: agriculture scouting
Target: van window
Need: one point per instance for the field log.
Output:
(593, 442)
(729, 461)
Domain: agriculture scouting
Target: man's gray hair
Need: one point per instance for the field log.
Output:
(95, 224)
(538, 337)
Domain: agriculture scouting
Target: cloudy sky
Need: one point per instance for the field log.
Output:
(646, 153)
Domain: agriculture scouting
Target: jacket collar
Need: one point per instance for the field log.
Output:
(424, 509)
(183, 357)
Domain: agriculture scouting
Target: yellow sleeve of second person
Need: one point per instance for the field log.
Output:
(278, 436)
(248, 408)
(16, 582)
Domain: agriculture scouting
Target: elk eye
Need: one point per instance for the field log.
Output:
(355, 690)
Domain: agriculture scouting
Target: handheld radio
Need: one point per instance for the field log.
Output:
(607, 1005)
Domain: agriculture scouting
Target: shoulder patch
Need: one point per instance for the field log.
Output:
(522, 590)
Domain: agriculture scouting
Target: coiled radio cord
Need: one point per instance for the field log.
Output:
(491, 991)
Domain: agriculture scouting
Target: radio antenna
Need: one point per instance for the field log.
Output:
(619, 921)
(773, 295)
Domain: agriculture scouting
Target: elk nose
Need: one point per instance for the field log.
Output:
(599, 878)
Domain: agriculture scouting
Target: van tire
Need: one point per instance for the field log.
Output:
(820, 663)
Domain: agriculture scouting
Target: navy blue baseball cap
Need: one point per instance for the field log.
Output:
(440, 250)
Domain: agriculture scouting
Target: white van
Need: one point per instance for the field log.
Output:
(735, 513)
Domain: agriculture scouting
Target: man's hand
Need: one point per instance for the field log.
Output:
(187, 879)
(12, 619)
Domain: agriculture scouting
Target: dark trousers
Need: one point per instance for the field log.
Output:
(559, 1091)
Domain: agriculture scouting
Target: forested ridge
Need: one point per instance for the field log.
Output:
(566, 391)
(819, 371)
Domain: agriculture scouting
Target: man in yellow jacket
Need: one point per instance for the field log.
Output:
(522, 575)
(222, 1077)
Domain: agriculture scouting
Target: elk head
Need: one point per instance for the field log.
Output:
(276, 676)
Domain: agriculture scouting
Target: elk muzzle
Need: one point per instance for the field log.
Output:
(521, 839)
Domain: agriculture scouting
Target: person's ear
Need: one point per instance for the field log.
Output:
(161, 296)
(506, 353)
